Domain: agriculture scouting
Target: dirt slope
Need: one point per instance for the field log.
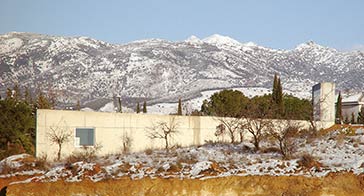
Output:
(333, 184)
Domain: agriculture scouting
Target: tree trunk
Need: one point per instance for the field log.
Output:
(59, 152)
(256, 142)
(241, 137)
(166, 140)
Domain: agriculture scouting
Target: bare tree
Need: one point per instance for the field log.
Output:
(257, 128)
(59, 136)
(164, 130)
(285, 132)
(230, 126)
(127, 143)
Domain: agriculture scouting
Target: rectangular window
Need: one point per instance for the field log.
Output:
(85, 136)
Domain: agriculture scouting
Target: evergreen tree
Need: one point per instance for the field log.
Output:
(179, 111)
(52, 99)
(9, 93)
(145, 107)
(27, 96)
(361, 116)
(17, 127)
(78, 105)
(120, 107)
(277, 98)
(280, 98)
(16, 92)
(274, 90)
(138, 108)
(43, 102)
(352, 118)
(346, 121)
(338, 115)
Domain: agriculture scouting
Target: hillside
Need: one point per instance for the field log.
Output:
(330, 163)
(161, 71)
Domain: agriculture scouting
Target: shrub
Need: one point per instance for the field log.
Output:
(187, 158)
(148, 151)
(308, 161)
(87, 154)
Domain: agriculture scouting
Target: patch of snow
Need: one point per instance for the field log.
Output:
(10, 45)
(200, 167)
(220, 40)
(109, 107)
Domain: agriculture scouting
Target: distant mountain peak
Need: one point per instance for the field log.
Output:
(220, 40)
(309, 44)
(193, 39)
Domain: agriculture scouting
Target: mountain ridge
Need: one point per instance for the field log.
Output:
(82, 68)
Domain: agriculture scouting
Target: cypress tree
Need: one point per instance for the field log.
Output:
(179, 111)
(338, 115)
(138, 108)
(280, 98)
(78, 105)
(361, 116)
(145, 107)
(352, 118)
(120, 108)
(274, 90)
(346, 121)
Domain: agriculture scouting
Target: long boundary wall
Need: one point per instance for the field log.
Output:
(110, 128)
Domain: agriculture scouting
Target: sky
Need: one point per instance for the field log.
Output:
(279, 24)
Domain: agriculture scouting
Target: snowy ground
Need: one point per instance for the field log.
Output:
(333, 152)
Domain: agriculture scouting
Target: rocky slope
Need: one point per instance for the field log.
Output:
(80, 68)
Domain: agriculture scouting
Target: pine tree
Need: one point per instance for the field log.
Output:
(352, 118)
(361, 116)
(120, 107)
(145, 107)
(338, 115)
(138, 108)
(179, 111)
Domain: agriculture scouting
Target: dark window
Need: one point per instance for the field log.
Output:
(86, 136)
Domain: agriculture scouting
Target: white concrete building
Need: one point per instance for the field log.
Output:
(352, 105)
(108, 130)
(323, 96)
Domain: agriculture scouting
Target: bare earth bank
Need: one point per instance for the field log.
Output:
(333, 184)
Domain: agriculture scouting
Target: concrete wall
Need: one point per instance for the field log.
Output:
(111, 127)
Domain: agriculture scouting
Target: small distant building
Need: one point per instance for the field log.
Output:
(352, 105)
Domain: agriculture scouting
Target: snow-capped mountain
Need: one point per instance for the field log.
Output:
(80, 68)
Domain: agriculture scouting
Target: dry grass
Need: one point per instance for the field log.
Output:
(307, 161)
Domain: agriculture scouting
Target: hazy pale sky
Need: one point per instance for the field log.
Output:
(271, 23)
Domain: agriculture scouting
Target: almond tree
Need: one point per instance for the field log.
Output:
(230, 126)
(59, 136)
(164, 130)
(257, 127)
(285, 133)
